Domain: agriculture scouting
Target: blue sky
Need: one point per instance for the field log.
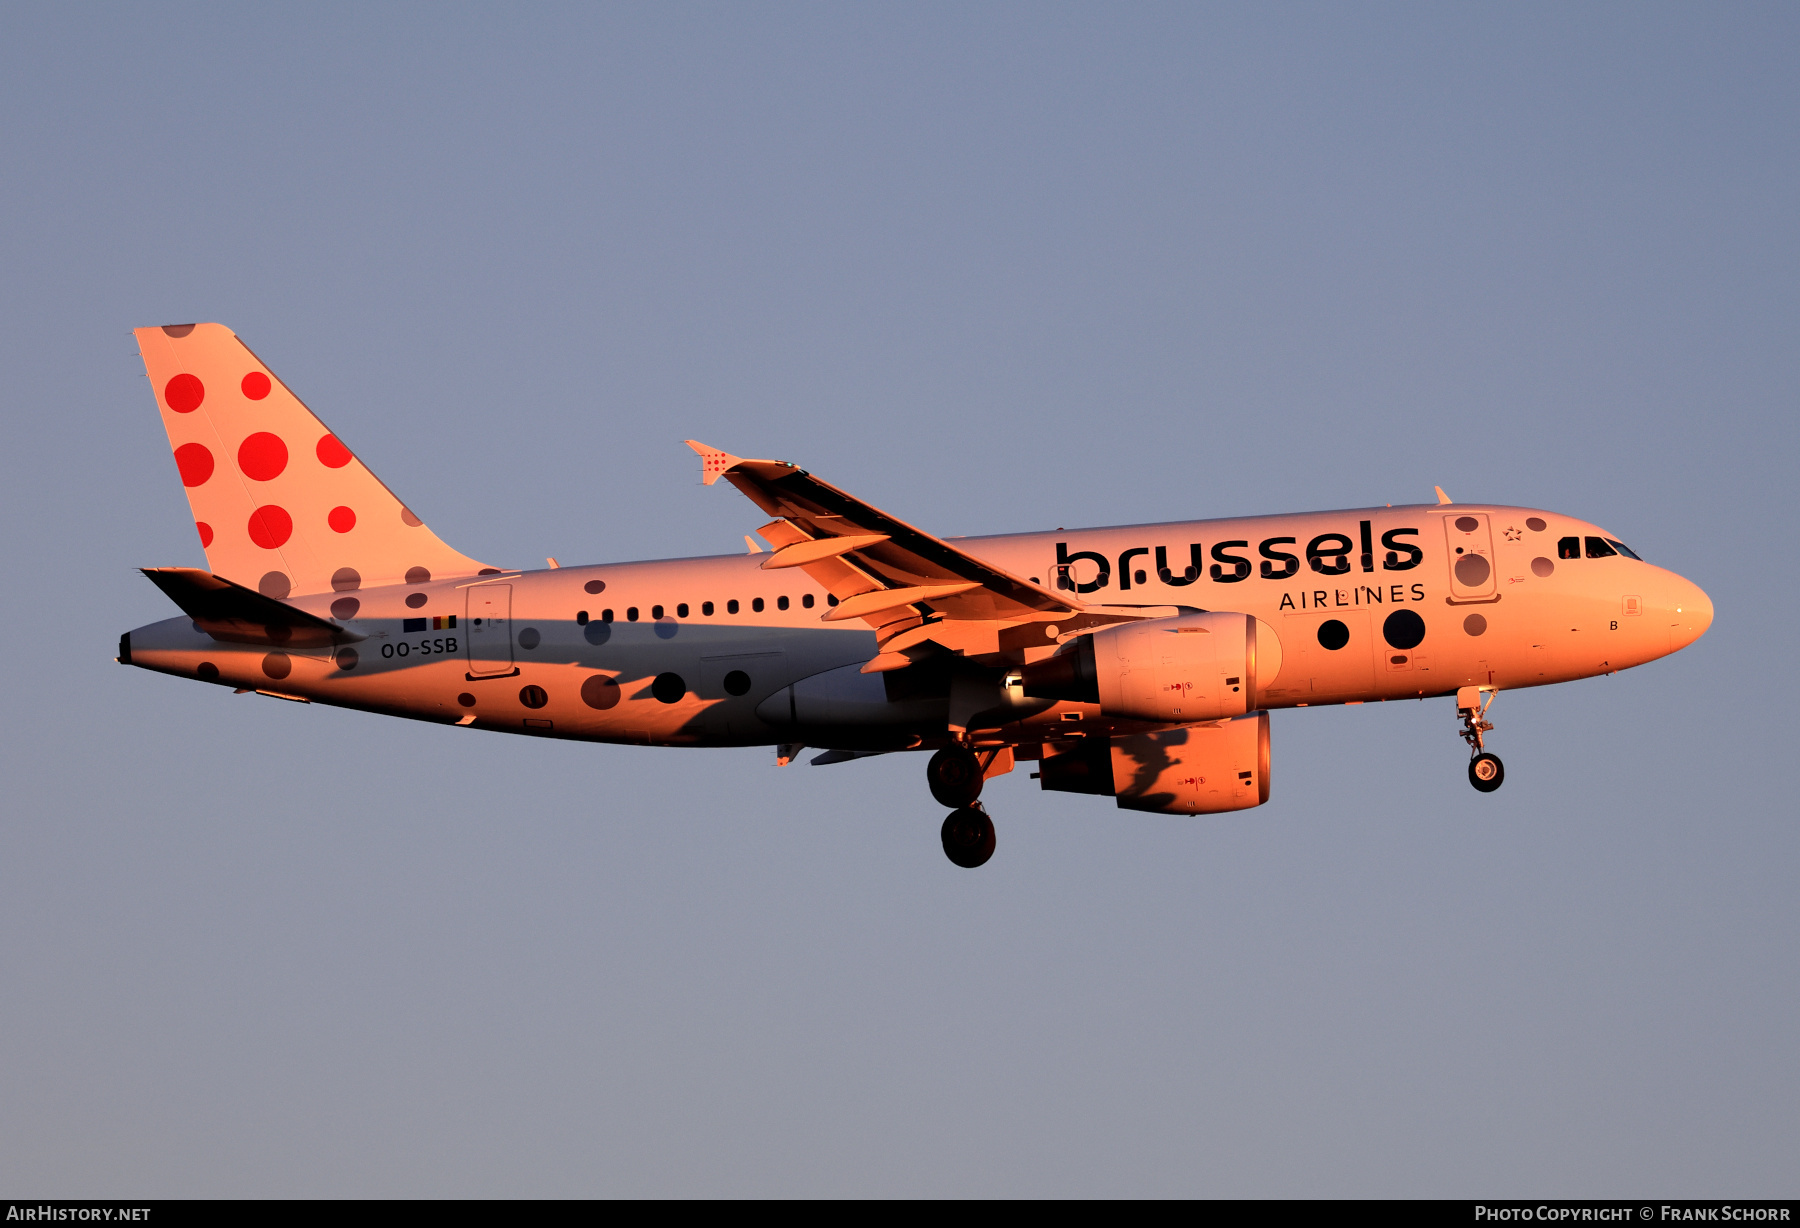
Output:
(993, 268)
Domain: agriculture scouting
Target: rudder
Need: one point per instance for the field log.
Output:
(280, 504)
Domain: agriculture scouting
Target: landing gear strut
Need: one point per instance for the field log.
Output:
(968, 836)
(1486, 772)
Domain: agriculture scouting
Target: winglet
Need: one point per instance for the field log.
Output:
(1442, 497)
(713, 463)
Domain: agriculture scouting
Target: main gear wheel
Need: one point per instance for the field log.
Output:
(955, 776)
(968, 836)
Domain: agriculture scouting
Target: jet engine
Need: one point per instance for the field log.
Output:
(1202, 769)
(1194, 667)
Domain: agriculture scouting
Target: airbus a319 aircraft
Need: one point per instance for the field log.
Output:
(1139, 662)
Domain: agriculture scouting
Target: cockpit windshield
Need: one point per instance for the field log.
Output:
(1598, 549)
(1623, 549)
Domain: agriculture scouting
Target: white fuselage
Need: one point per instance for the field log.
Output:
(576, 652)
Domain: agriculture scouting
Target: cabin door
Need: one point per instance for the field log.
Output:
(1473, 575)
(488, 631)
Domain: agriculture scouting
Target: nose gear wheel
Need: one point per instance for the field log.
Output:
(1486, 772)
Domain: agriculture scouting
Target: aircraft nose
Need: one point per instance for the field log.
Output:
(1690, 614)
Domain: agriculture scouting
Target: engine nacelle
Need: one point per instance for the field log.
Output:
(1195, 667)
(1202, 769)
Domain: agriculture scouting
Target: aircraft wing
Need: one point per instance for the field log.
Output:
(235, 614)
(899, 579)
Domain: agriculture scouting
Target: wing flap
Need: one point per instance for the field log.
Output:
(895, 556)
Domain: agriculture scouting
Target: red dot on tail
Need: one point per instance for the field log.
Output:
(256, 385)
(205, 533)
(262, 457)
(332, 454)
(184, 393)
(270, 526)
(195, 463)
(341, 519)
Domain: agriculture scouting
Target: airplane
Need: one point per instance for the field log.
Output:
(1138, 662)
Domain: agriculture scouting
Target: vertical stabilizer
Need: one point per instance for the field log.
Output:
(281, 505)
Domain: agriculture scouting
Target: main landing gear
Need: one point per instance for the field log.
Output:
(968, 836)
(956, 776)
(1486, 772)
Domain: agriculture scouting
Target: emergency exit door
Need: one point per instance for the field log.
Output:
(1328, 655)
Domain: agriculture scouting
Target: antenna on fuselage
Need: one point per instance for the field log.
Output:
(1442, 497)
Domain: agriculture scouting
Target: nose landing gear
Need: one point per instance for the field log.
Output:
(1486, 772)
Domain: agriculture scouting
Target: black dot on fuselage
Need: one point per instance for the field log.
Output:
(1403, 629)
(1333, 634)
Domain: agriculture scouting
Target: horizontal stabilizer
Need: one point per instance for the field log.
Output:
(238, 615)
(844, 756)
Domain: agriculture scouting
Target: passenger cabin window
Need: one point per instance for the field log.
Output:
(656, 612)
(605, 616)
(631, 614)
(1598, 549)
(756, 604)
(807, 601)
(731, 607)
(1568, 548)
(681, 610)
(1623, 549)
(581, 618)
(706, 608)
(781, 603)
